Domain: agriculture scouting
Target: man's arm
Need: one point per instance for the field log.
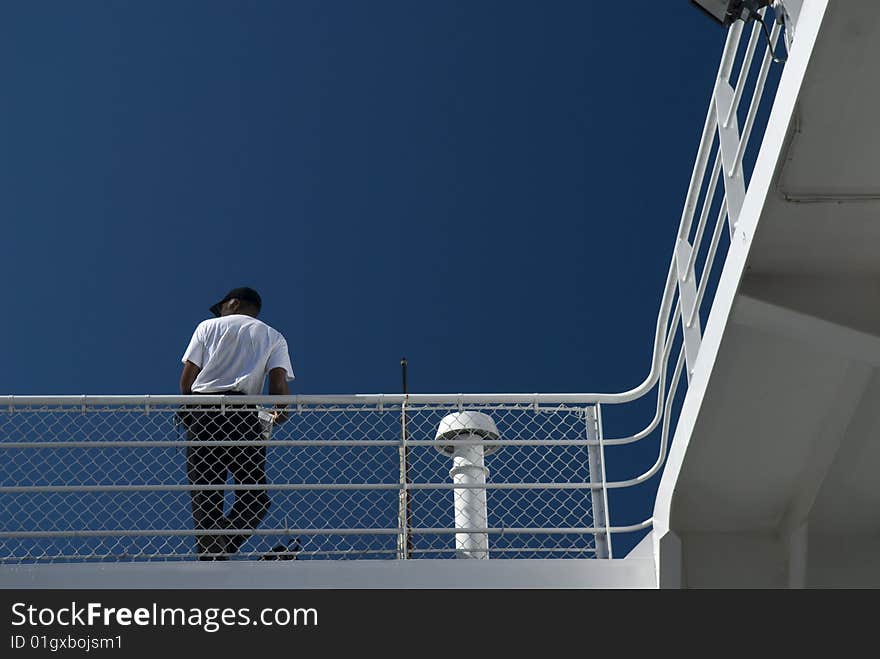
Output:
(188, 376)
(278, 387)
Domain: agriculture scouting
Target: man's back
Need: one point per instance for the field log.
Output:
(234, 353)
(231, 354)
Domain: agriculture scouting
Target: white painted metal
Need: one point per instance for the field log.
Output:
(403, 521)
(597, 477)
(729, 136)
(789, 12)
(470, 502)
(634, 572)
(287, 487)
(469, 475)
(581, 530)
(704, 215)
(664, 437)
(710, 260)
(687, 292)
(549, 445)
(744, 71)
(756, 98)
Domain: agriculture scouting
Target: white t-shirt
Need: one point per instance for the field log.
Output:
(235, 353)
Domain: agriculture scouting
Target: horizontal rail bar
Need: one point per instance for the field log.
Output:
(664, 437)
(300, 553)
(365, 443)
(500, 530)
(300, 399)
(506, 550)
(661, 390)
(54, 489)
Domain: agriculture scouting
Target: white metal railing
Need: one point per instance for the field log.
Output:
(104, 477)
(107, 478)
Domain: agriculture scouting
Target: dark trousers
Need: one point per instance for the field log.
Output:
(208, 465)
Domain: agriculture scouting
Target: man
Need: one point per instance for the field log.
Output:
(231, 354)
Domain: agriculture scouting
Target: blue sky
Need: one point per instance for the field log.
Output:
(491, 189)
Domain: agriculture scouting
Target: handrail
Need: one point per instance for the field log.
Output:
(98, 533)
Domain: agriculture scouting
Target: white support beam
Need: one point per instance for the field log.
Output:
(668, 560)
(822, 335)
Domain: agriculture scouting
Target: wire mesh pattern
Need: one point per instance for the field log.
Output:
(136, 482)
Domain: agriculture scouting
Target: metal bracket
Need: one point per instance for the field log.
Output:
(728, 142)
(687, 293)
(787, 14)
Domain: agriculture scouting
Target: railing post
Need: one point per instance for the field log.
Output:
(687, 294)
(597, 477)
(403, 505)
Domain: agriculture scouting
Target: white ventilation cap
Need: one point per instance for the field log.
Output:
(467, 422)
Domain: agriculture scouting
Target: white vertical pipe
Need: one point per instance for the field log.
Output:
(462, 435)
(470, 502)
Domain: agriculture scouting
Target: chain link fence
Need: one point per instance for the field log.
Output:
(146, 481)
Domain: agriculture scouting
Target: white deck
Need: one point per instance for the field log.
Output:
(634, 571)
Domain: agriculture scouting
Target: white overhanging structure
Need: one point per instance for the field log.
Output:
(765, 372)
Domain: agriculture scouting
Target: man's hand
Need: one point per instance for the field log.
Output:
(278, 387)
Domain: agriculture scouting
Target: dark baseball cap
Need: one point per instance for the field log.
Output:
(243, 293)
